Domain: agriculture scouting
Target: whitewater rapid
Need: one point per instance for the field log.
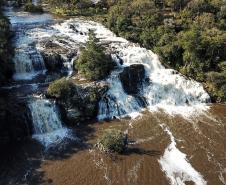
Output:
(168, 90)
(48, 128)
(27, 59)
(176, 166)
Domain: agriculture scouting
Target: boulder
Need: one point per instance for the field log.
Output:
(132, 78)
(56, 55)
(82, 104)
(73, 114)
(53, 61)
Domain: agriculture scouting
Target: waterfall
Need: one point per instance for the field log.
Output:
(27, 59)
(47, 125)
(167, 90)
(116, 103)
(28, 63)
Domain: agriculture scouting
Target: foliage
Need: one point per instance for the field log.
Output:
(188, 35)
(61, 88)
(76, 7)
(6, 65)
(113, 140)
(93, 63)
(29, 7)
(217, 85)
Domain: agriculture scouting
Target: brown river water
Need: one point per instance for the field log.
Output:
(201, 138)
(162, 150)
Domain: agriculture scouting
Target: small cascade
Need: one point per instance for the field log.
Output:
(47, 125)
(28, 63)
(116, 103)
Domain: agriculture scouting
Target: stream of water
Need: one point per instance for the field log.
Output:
(179, 137)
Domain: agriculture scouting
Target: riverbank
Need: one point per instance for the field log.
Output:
(177, 124)
(165, 29)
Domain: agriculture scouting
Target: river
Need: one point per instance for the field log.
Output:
(175, 137)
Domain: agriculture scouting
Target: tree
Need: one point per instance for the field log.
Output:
(93, 63)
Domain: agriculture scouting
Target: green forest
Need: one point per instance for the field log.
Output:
(188, 35)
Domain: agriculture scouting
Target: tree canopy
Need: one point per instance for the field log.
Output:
(93, 63)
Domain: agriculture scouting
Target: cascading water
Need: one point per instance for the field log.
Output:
(168, 90)
(116, 103)
(28, 63)
(47, 125)
(27, 59)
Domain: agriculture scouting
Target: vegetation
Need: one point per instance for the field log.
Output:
(188, 35)
(93, 63)
(113, 140)
(76, 7)
(6, 64)
(29, 7)
(61, 88)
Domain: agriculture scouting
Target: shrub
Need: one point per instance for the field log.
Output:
(61, 88)
(93, 63)
(113, 140)
(29, 7)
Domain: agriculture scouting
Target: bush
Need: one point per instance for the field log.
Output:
(29, 7)
(93, 63)
(113, 140)
(61, 88)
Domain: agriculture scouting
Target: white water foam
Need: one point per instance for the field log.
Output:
(177, 167)
(168, 90)
(28, 60)
(47, 125)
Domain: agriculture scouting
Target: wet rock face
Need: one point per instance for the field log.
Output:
(55, 56)
(15, 121)
(53, 61)
(83, 102)
(132, 78)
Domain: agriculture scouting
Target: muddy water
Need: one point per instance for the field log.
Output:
(202, 139)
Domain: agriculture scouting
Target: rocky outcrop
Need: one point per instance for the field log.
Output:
(15, 120)
(53, 61)
(56, 56)
(132, 78)
(82, 104)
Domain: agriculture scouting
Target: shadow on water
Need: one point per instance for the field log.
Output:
(77, 142)
(140, 151)
(21, 162)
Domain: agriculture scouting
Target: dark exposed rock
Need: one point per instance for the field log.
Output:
(132, 78)
(53, 61)
(15, 120)
(141, 100)
(82, 104)
(55, 55)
